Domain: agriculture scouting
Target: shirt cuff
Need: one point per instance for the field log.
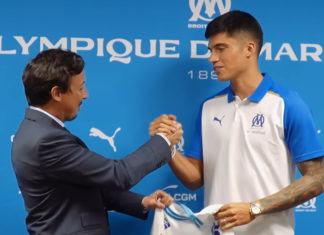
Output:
(173, 150)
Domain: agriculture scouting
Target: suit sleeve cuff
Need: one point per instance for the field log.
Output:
(165, 138)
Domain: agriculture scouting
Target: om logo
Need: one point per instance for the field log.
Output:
(214, 230)
(258, 120)
(308, 204)
(197, 8)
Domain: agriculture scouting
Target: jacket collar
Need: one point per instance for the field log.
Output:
(37, 116)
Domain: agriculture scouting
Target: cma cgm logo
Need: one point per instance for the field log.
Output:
(308, 206)
(185, 197)
(206, 10)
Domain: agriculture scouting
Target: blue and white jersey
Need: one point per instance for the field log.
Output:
(249, 149)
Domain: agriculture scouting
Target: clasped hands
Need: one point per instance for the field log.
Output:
(168, 126)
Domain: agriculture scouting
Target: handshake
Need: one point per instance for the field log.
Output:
(171, 129)
(168, 126)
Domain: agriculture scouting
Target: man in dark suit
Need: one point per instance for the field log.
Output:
(67, 188)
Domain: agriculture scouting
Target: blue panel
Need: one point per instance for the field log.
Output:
(143, 59)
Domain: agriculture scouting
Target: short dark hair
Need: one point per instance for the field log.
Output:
(234, 22)
(53, 67)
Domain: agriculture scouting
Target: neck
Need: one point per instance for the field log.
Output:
(244, 85)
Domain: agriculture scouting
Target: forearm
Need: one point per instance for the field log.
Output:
(126, 202)
(307, 187)
(188, 170)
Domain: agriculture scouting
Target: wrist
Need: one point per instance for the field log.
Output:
(145, 209)
(255, 209)
(173, 151)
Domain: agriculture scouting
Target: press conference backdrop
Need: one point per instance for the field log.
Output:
(145, 58)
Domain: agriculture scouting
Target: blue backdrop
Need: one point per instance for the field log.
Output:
(144, 58)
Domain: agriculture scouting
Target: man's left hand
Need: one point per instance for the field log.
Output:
(233, 214)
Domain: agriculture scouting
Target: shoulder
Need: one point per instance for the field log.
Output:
(291, 98)
(221, 94)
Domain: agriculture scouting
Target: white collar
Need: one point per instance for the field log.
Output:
(48, 114)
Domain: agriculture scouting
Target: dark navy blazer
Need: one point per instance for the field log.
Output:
(67, 189)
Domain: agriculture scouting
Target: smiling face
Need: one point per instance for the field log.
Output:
(228, 55)
(72, 99)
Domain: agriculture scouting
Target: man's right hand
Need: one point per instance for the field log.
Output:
(168, 126)
(188, 170)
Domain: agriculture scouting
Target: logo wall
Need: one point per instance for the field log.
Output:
(206, 10)
(180, 145)
(180, 196)
(123, 50)
(111, 139)
(308, 206)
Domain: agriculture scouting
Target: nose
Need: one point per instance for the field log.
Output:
(85, 94)
(213, 57)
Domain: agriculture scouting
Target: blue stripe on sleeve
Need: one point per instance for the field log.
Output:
(195, 148)
(300, 131)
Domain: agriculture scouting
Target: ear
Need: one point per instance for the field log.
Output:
(56, 93)
(250, 49)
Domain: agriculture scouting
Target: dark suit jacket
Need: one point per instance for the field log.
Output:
(67, 189)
